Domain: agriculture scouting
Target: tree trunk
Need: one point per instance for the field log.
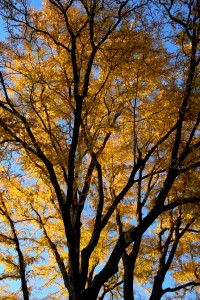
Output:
(128, 277)
(157, 291)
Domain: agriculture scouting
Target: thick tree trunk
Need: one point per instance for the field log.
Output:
(128, 278)
(157, 291)
(89, 294)
(129, 262)
(156, 294)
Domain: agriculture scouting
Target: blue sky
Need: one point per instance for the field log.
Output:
(35, 3)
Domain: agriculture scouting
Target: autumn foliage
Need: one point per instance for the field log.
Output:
(99, 149)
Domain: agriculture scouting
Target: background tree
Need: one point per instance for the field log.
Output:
(100, 148)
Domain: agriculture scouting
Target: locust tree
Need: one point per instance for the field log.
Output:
(100, 112)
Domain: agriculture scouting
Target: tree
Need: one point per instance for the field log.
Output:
(100, 148)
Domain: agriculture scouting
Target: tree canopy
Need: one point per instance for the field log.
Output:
(99, 150)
